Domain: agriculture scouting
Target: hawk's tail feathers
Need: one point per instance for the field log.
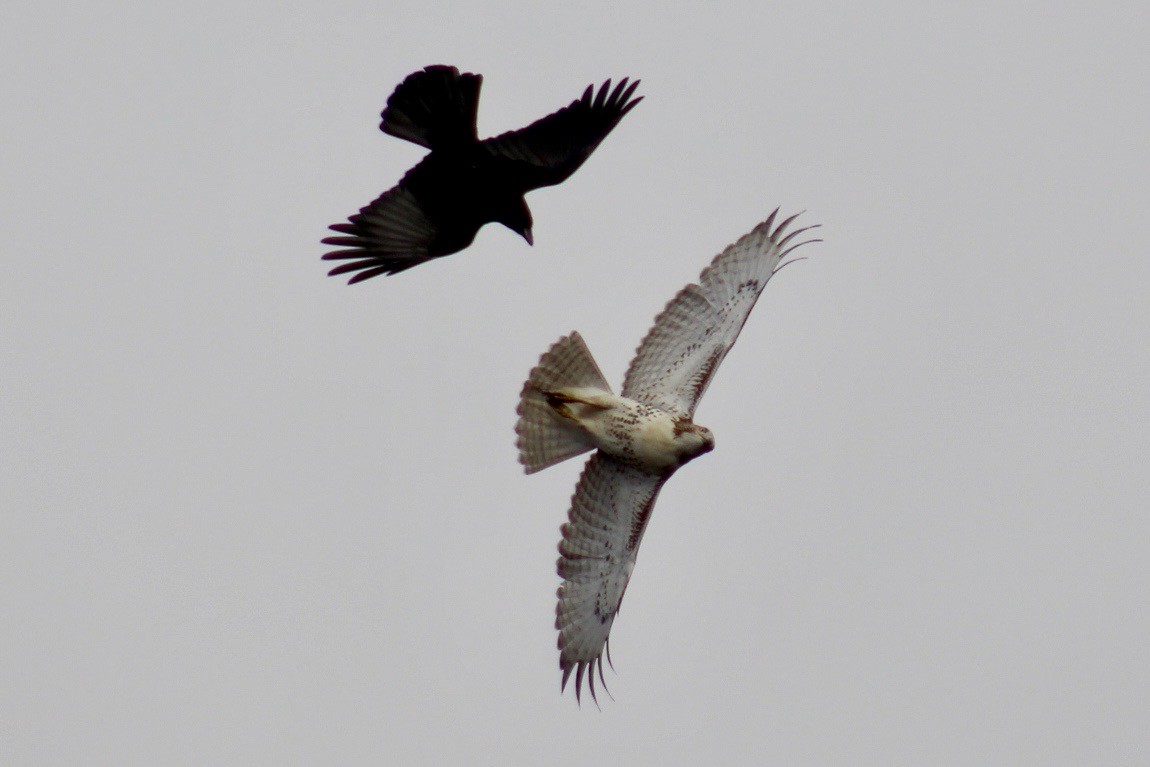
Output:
(434, 107)
(544, 437)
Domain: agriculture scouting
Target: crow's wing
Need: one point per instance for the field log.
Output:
(678, 358)
(391, 234)
(549, 150)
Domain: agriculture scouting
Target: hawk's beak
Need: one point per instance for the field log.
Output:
(527, 236)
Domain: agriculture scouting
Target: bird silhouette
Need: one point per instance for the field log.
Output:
(463, 183)
(641, 436)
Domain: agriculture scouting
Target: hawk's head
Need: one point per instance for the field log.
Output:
(692, 440)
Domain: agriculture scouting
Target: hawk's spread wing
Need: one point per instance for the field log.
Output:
(552, 148)
(609, 513)
(676, 361)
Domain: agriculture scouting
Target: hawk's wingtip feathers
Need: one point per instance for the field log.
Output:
(585, 669)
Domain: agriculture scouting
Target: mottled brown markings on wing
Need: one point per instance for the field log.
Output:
(705, 373)
(639, 521)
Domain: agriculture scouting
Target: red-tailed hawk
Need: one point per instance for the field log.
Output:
(464, 183)
(642, 437)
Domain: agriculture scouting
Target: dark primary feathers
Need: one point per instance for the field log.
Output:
(463, 183)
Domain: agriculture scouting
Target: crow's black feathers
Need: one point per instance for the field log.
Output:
(463, 183)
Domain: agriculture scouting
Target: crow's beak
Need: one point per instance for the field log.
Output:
(527, 236)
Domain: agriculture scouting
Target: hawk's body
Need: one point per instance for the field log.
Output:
(633, 432)
(642, 437)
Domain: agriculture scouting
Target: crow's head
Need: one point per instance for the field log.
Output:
(516, 216)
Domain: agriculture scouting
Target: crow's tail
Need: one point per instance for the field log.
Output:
(434, 107)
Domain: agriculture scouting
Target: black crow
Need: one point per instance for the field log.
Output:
(463, 183)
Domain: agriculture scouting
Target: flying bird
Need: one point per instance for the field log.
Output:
(463, 183)
(642, 436)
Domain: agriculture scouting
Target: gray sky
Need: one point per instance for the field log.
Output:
(253, 516)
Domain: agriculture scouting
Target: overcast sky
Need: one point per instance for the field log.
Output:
(252, 516)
